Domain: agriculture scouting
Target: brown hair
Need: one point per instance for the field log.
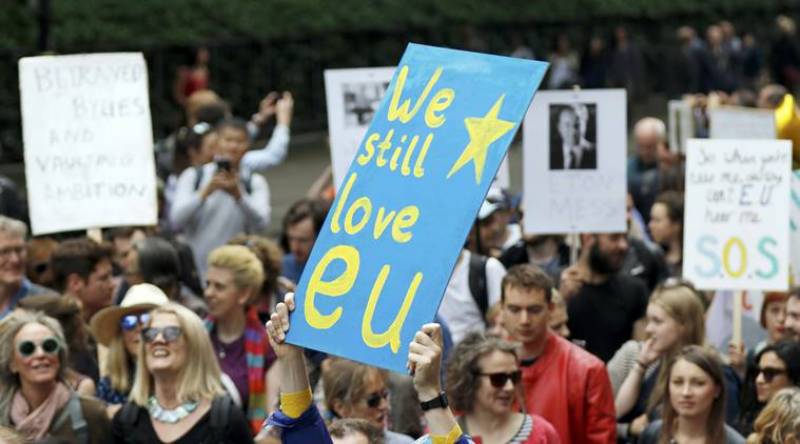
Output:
(462, 369)
(342, 428)
(527, 277)
(79, 256)
(709, 361)
(346, 381)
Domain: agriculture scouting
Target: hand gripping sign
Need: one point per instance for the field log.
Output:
(381, 263)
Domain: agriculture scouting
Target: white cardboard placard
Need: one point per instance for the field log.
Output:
(681, 125)
(795, 227)
(736, 220)
(732, 122)
(585, 193)
(88, 141)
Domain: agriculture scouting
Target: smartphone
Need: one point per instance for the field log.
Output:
(223, 164)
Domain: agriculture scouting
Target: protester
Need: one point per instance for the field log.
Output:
(627, 66)
(154, 260)
(301, 226)
(68, 314)
(82, 270)
(564, 384)
(299, 422)
(13, 253)
(220, 200)
(638, 370)
(237, 335)
(779, 422)
(694, 404)
(120, 329)
(177, 396)
(34, 397)
(482, 381)
(777, 367)
(559, 318)
(792, 322)
(666, 228)
(785, 55)
(474, 286)
(275, 286)
(650, 137)
(548, 252)
(600, 298)
(563, 65)
(772, 318)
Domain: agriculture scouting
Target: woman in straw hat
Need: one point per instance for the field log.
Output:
(119, 328)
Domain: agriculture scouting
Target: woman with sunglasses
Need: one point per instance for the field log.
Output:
(675, 318)
(694, 402)
(119, 328)
(177, 396)
(354, 390)
(483, 379)
(777, 367)
(34, 398)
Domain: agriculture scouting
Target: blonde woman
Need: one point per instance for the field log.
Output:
(674, 320)
(235, 276)
(177, 396)
(34, 397)
(779, 422)
(120, 329)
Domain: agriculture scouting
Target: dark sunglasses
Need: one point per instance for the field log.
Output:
(498, 380)
(374, 400)
(131, 321)
(170, 334)
(50, 346)
(770, 373)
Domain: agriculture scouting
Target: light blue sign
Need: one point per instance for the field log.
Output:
(382, 261)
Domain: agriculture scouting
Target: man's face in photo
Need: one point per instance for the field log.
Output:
(568, 126)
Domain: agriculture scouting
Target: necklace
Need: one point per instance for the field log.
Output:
(169, 416)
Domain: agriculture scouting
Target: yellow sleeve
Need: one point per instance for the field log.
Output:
(295, 404)
(450, 438)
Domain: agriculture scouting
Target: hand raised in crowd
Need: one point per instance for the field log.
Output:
(278, 325)
(284, 109)
(737, 355)
(571, 282)
(266, 108)
(649, 354)
(425, 361)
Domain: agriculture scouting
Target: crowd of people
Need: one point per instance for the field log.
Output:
(176, 333)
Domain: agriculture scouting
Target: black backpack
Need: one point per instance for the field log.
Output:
(477, 282)
(218, 420)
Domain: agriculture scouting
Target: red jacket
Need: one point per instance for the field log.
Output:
(570, 388)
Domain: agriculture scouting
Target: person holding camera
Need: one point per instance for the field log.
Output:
(220, 200)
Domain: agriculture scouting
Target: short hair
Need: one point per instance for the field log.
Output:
(268, 253)
(787, 351)
(10, 326)
(79, 256)
(200, 378)
(212, 113)
(243, 263)
(527, 277)
(346, 381)
(313, 209)
(342, 428)
(13, 226)
(159, 264)
(779, 420)
(673, 200)
(654, 125)
(462, 368)
(234, 123)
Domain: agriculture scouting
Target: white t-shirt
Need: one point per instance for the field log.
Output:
(458, 308)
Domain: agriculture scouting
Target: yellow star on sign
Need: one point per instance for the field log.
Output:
(483, 131)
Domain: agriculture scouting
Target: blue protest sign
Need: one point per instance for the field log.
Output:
(381, 263)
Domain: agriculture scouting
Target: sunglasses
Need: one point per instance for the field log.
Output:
(374, 400)
(49, 346)
(131, 321)
(170, 334)
(770, 373)
(498, 380)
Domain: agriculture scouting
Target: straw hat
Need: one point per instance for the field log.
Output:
(141, 297)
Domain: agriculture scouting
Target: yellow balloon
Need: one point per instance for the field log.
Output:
(787, 122)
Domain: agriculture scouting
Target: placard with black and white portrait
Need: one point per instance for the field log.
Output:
(361, 100)
(573, 136)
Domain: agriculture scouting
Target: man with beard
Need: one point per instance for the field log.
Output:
(792, 322)
(603, 304)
